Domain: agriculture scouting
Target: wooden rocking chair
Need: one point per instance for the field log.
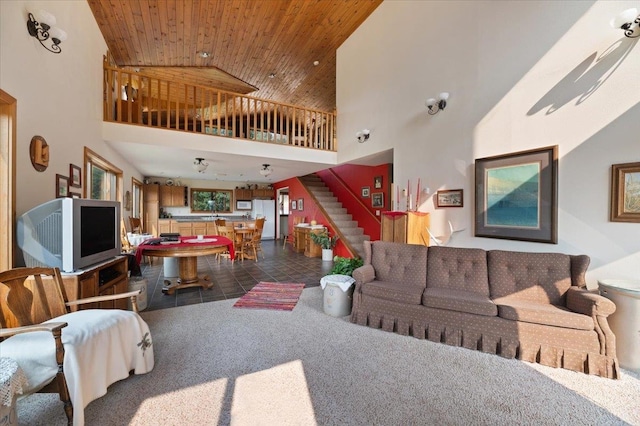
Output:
(31, 296)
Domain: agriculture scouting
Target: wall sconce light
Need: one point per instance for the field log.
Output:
(629, 22)
(435, 105)
(199, 165)
(363, 135)
(43, 29)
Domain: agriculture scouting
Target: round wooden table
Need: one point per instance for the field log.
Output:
(243, 235)
(187, 251)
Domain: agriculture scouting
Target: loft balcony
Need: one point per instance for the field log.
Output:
(135, 98)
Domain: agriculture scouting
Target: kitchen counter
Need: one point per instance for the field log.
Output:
(207, 218)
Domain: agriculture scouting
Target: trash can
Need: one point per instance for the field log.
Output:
(170, 265)
(625, 321)
(338, 294)
(139, 283)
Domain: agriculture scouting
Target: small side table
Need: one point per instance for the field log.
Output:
(12, 380)
(338, 294)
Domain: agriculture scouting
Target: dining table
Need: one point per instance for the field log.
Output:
(186, 249)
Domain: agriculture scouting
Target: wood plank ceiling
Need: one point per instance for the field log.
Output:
(247, 41)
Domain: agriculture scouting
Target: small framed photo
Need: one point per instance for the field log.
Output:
(294, 204)
(377, 182)
(365, 191)
(300, 204)
(377, 200)
(449, 198)
(625, 192)
(62, 186)
(75, 176)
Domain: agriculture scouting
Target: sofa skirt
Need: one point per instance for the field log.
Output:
(571, 349)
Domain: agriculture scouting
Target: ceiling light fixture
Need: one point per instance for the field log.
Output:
(204, 54)
(43, 29)
(272, 75)
(363, 135)
(629, 22)
(265, 170)
(434, 106)
(199, 165)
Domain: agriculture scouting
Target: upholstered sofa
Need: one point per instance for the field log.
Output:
(530, 306)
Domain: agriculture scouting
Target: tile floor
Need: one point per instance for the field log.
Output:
(232, 280)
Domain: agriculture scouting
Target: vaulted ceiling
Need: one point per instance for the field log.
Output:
(266, 48)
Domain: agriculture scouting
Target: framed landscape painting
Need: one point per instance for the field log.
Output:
(625, 192)
(516, 196)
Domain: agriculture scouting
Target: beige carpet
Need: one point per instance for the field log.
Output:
(216, 365)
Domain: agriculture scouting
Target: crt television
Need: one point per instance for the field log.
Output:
(70, 233)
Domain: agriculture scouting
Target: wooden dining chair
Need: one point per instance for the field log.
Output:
(227, 231)
(254, 244)
(221, 222)
(136, 225)
(291, 236)
(34, 299)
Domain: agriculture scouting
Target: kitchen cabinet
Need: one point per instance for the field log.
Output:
(199, 228)
(164, 226)
(173, 196)
(185, 229)
(263, 193)
(405, 227)
(243, 194)
(151, 194)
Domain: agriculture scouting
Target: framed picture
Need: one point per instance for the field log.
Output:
(377, 182)
(75, 195)
(75, 176)
(377, 200)
(300, 204)
(449, 198)
(365, 192)
(625, 192)
(517, 196)
(62, 186)
(294, 205)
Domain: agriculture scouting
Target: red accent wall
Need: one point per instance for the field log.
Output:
(310, 210)
(347, 183)
(355, 177)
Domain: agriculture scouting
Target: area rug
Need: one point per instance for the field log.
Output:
(276, 296)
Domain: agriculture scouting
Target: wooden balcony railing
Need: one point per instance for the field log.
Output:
(134, 98)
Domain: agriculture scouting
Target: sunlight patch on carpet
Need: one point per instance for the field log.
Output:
(277, 296)
(275, 396)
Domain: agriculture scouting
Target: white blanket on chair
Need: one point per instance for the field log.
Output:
(101, 347)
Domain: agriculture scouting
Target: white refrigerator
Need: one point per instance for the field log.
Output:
(266, 209)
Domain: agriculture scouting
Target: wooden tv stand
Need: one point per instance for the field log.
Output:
(102, 279)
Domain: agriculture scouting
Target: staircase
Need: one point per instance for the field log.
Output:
(346, 227)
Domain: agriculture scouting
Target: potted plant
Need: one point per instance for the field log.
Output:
(326, 242)
(346, 265)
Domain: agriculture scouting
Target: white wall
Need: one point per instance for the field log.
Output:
(59, 96)
(522, 75)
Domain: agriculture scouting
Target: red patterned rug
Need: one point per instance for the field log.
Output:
(277, 296)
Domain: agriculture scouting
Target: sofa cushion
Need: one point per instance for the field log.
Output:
(398, 292)
(463, 269)
(460, 301)
(541, 313)
(534, 277)
(400, 263)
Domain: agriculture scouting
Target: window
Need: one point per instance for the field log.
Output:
(104, 180)
(206, 200)
(136, 190)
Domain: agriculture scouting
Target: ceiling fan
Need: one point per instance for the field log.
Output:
(265, 171)
(199, 165)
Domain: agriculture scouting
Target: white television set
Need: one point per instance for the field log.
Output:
(70, 233)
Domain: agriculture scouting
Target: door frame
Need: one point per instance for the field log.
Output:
(8, 117)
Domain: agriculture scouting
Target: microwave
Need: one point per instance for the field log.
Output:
(243, 205)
